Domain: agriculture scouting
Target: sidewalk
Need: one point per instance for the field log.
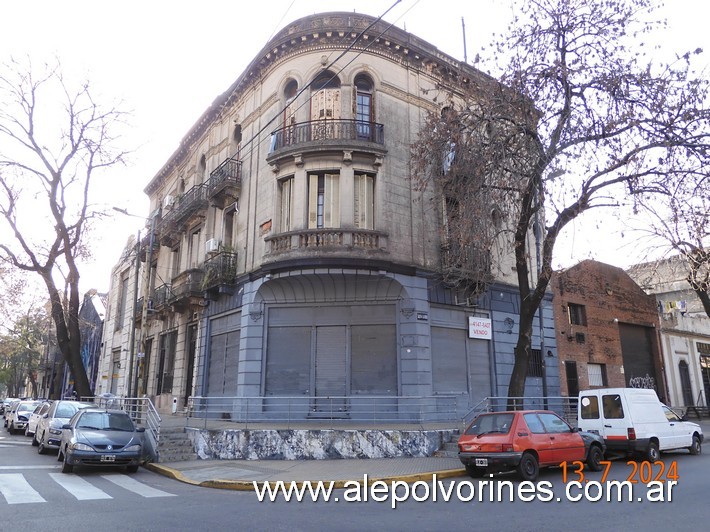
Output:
(240, 474)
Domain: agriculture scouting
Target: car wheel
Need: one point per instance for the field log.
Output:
(594, 458)
(66, 467)
(652, 453)
(475, 472)
(41, 449)
(528, 468)
(131, 468)
(35, 443)
(10, 429)
(695, 447)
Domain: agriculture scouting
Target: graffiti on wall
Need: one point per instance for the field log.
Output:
(643, 382)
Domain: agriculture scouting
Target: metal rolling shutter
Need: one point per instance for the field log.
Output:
(231, 364)
(330, 360)
(448, 353)
(373, 360)
(288, 361)
(215, 377)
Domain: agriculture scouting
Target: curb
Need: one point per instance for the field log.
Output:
(248, 485)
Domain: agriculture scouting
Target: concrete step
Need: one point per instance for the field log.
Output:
(448, 450)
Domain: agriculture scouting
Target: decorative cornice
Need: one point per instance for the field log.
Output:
(327, 32)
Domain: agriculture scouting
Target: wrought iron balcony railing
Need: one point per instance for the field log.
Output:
(327, 130)
(220, 270)
(225, 181)
(185, 286)
(184, 207)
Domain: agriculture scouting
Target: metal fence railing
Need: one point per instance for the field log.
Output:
(298, 409)
(565, 407)
(142, 411)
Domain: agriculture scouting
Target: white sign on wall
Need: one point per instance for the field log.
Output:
(480, 328)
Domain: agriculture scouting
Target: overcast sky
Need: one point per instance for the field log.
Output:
(168, 60)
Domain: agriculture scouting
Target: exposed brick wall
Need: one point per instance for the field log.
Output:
(610, 297)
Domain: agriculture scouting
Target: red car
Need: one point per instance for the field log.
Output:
(525, 440)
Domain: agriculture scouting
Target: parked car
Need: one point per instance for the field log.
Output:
(634, 421)
(524, 441)
(99, 437)
(49, 428)
(7, 405)
(20, 415)
(35, 416)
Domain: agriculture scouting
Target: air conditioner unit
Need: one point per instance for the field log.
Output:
(168, 201)
(211, 245)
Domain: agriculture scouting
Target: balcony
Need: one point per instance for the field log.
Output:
(318, 135)
(465, 263)
(186, 289)
(176, 217)
(347, 243)
(220, 273)
(225, 182)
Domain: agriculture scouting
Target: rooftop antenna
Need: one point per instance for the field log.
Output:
(463, 29)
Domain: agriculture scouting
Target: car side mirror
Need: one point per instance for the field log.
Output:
(140, 429)
(66, 426)
(684, 417)
(576, 429)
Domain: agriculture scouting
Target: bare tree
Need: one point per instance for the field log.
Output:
(54, 140)
(580, 119)
(680, 219)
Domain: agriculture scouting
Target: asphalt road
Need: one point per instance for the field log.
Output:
(35, 495)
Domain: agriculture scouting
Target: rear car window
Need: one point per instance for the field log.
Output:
(590, 407)
(613, 409)
(491, 423)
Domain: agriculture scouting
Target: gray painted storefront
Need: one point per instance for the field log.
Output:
(316, 334)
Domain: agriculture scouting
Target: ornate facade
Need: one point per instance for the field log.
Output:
(292, 261)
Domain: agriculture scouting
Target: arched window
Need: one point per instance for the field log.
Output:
(325, 97)
(364, 115)
(289, 114)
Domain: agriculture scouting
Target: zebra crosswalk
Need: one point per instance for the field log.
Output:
(17, 489)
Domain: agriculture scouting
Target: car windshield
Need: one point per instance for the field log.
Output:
(491, 423)
(26, 407)
(105, 421)
(67, 410)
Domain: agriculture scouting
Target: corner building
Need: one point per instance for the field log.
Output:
(296, 266)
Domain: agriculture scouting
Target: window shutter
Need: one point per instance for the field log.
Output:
(312, 201)
(331, 216)
(364, 201)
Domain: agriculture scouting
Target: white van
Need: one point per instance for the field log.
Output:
(634, 421)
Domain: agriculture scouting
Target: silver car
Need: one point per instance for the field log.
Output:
(100, 437)
(20, 415)
(49, 428)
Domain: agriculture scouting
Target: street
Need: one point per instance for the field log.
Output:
(38, 496)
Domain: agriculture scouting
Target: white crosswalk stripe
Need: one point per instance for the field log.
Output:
(80, 488)
(136, 487)
(17, 490)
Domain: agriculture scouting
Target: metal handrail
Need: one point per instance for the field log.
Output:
(566, 407)
(370, 409)
(142, 412)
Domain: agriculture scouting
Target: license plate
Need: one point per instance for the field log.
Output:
(108, 457)
(482, 462)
